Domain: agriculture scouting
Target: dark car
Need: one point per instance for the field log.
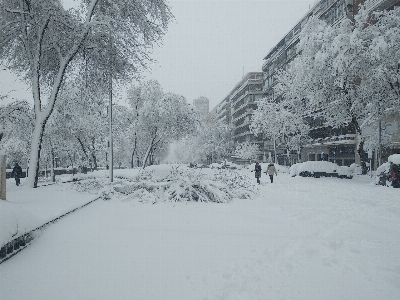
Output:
(394, 175)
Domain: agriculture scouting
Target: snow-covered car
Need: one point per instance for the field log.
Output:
(388, 174)
(382, 174)
(319, 169)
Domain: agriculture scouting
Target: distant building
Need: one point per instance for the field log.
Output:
(238, 106)
(221, 112)
(202, 104)
(243, 101)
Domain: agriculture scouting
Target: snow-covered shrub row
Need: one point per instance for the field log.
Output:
(90, 185)
(313, 168)
(183, 184)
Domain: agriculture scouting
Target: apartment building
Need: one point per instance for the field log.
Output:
(223, 111)
(243, 101)
(238, 106)
(202, 104)
(336, 145)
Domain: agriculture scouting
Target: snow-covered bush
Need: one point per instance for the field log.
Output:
(91, 186)
(186, 185)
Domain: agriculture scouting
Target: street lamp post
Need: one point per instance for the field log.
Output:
(380, 142)
(110, 156)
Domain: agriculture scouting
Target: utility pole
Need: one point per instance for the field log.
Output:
(110, 156)
(380, 143)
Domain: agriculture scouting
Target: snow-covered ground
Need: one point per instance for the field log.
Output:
(298, 238)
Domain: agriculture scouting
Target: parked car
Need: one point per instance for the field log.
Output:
(318, 169)
(394, 169)
(388, 174)
(395, 175)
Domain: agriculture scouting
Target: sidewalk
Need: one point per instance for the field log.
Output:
(27, 209)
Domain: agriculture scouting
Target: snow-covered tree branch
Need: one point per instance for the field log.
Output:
(40, 41)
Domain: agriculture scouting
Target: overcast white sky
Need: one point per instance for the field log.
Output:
(210, 44)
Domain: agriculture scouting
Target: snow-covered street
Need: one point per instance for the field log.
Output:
(300, 238)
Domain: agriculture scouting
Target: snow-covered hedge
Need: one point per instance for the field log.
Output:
(184, 184)
(320, 168)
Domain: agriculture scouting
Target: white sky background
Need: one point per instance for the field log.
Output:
(209, 45)
(211, 42)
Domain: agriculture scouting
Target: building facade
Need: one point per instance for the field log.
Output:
(329, 144)
(238, 106)
(337, 145)
(243, 101)
(223, 111)
(203, 106)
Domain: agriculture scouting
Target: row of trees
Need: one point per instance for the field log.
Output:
(77, 131)
(213, 141)
(347, 74)
(49, 47)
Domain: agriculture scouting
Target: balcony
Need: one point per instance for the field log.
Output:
(346, 139)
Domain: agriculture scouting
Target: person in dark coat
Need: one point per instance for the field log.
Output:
(257, 169)
(17, 173)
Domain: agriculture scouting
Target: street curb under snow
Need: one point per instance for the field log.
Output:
(18, 244)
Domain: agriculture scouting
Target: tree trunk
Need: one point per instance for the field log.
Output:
(132, 158)
(361, 152)
(134, 151)
(94, 159)
(93, 154)
(83, 148)
(146, 156)
(35, 153)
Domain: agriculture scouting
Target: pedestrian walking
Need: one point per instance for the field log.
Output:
(271, 171)
(257, 169)
(17, 173)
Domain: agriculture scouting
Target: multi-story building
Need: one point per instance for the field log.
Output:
(202, 104)
(336, 145)
(223, 111)
(238, 106)
(243, 101)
